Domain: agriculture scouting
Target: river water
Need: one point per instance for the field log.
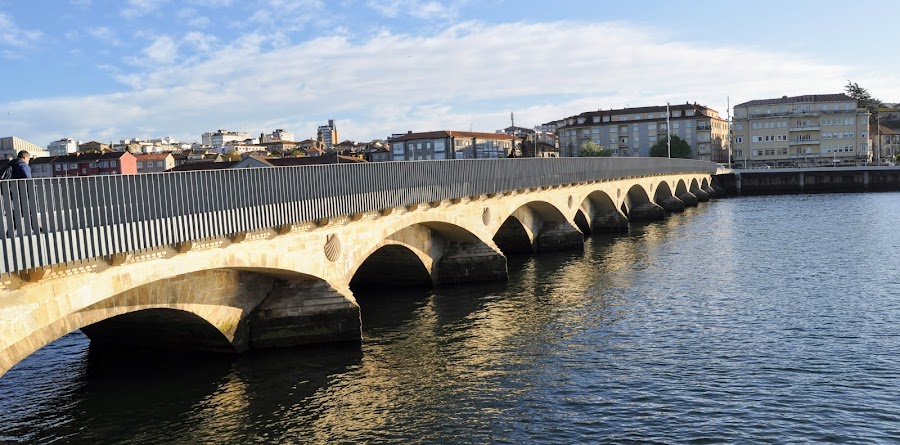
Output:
(759, 319)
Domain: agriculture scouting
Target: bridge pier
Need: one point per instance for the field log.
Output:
(647, 211)
(556, 236)
(689, 199)
(701, 194)
(671, 204)
(302, 313)
(470, 262)
(609, 221)
(710, 191)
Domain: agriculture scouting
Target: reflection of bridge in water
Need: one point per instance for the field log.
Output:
(238, 259)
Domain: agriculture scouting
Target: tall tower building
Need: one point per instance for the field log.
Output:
(329, 134)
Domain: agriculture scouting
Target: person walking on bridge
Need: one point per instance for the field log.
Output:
(20, 167)
(20, 170)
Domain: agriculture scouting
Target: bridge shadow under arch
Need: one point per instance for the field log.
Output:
(393, 265)
(158, 328)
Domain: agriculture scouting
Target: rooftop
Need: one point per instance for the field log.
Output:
(450, 133)
(807, 98)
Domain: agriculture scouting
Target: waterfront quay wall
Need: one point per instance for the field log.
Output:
(808, 180)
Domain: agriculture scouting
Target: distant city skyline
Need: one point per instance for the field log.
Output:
(106, 70)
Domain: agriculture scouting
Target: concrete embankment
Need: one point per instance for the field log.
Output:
(812, 180)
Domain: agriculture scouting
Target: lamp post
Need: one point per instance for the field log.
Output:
(668, 131)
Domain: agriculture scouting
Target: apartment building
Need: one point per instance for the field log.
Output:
(63, 147)
(91, 164)
(632, 131)
(810, 130)
(154, 163)
(11, 146)
(219, 138)
(449, 144)
(885, 140)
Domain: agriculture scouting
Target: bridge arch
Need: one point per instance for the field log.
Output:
(428, 253)
(538, 226)
(604, 215)
(698, 190)
(220, 311)
(665, 198)
(639, 207)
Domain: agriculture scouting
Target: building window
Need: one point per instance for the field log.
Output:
(140, 165)
(605, 118)
(738, 140)
(689, 112)
(596, 119)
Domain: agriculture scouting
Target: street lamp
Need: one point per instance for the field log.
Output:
(668, 130)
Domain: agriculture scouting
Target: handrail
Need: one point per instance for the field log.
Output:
(50, 221)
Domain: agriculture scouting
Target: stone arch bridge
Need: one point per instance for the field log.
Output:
(231, 260)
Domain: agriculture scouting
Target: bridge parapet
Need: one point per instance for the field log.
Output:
(65, 221)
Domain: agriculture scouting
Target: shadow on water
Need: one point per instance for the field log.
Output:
(112, 396)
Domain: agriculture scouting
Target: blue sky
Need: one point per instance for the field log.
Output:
(106, 70)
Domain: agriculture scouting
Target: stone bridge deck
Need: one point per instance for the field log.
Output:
(232, 260)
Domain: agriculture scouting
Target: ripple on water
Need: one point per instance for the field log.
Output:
(760, 319)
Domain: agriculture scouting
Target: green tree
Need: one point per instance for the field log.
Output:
(680, 148)
(864, 99)
(232, 155)
(591, 149)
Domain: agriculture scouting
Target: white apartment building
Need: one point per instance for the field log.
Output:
(221, 137)
(632, 131)
(63, 147)
(810, 130)
(278, 135)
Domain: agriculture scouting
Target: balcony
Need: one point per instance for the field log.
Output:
(806, 142)
(777, 114)
(704, 127)
(805, 128)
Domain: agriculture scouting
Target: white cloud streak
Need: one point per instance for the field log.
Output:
(12, 35)
(470, 74)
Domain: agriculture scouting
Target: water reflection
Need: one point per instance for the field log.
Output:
(728, 323)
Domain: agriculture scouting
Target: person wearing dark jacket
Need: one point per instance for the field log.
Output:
(21, 169)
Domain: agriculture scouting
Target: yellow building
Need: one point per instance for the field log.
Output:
(811, 130)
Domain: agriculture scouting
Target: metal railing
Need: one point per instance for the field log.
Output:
(52, 221)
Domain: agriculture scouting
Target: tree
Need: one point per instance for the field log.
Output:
(864, 100)
(232, 155)
(593, 150)
(680, 148)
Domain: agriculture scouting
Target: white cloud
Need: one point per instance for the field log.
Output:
(12, 35)
(429, 9)
(162, 50)
(138, 8)
(199, 41)
(470, 74)
(191, 17)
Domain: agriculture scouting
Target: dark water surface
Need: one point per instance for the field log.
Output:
(747, 320)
